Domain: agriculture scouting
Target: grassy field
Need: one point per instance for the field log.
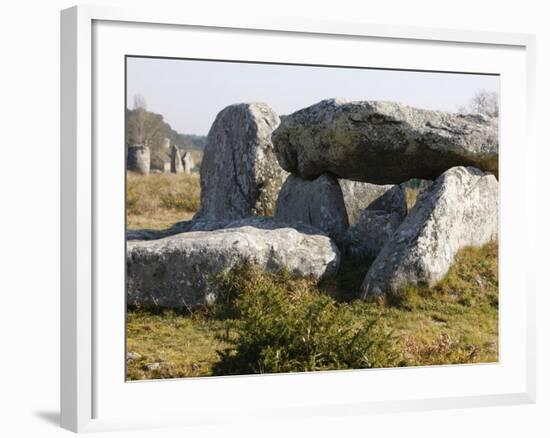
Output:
(261, 329)
(157, 201)
(276, 323)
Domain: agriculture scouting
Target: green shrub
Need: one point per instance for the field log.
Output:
(283, 325)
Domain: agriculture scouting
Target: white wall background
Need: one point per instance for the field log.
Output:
(29, 216)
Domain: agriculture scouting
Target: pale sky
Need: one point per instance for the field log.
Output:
(189, 94)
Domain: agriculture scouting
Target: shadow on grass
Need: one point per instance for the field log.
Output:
(346, 285)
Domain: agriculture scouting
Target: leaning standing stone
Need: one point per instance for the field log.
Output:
(240, 175)
(176, 165)
(139, 159)
(318, 203)
(383, 142)
(460, 209)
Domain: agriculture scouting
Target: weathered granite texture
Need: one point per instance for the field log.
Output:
(383, 142)
(180, 270)
(459, 209)
(368, 235)
(359, 196)
(318, 203)
(240, 175)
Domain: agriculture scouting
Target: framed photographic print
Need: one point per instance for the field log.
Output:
(262, 208)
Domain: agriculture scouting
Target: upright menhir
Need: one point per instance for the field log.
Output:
(292, 218)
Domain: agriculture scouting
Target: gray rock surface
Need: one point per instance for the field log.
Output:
(160, 159)
(459, 209)
(423, 185)
(180, 270)
(155, 366)
(187, 162)
(240, 175)
(139, 159)
(176, 165)
(132, 356)
(359, 196)
(177, 228)
(368, 235)
(318, 203)
(383, 142)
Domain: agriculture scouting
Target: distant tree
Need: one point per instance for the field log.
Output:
(142, 125)
(190, 141)
(150, 129)
(483, 102)
(139, 102)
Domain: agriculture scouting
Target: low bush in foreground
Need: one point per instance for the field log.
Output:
(283, 325)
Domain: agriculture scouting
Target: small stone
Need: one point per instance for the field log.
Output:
(132, 356)
(154, 366)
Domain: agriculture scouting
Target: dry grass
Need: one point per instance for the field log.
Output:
(179, 345)
(453, 323)
(411, 195)
(158, 200)
(457, 320)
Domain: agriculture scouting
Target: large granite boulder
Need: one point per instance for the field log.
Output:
(180, 270)
(240, 175)
(138, 159)
(359, 196)
(368, 235)
(459, 209)
(318, 203)
(383, 142)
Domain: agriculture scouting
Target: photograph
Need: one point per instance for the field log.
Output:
(286, 218)
(275, 220)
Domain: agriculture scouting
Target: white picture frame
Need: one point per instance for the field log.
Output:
(89, 396)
